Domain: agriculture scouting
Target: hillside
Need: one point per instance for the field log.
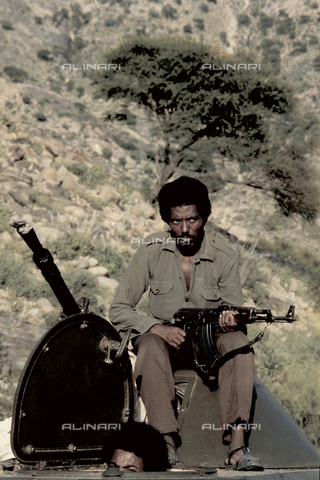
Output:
(81, 170)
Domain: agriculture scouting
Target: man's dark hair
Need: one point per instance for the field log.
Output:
(184, 191)
(141, 439)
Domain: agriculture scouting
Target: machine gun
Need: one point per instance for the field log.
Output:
(202, 324)
(190, 319)
(76, 384)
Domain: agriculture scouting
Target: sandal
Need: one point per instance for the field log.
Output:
(173, 456)
(246, 462)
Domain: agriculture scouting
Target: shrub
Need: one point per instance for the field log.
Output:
(122, 161)
(60, 16)
(16, 74)
(223, 37)
(107, 153)
(40, 116)
(317, 64)
(4, 219)
(199, 24)
(313, 40)
(7, 25)
(80, 92)
(187, 28)
(288, 365)
(299, 48)
(14, 276)
(153, 14)
(110, 22)
(26, 100)
(169, 12)
(45, 55)
(304, 19)
(244, 20)
(70, 85)
(79, 43)
(265, 22)
(204, 8)
(38, 20)
(285, 26)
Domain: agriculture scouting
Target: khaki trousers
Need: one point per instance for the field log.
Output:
(155, 381)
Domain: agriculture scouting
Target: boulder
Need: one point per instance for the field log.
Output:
(68, 180)
(54, 147)
(143, 209)
(51, 175)
(16, 153)
(110, 283)
(108, 194)
(75, 211)
(45, 305)
(98, 271)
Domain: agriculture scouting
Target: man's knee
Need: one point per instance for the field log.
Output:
(230, 341)
(150, 344)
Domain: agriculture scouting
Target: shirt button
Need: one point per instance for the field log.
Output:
(157, 291)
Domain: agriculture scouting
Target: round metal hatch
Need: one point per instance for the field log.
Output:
(72, 393)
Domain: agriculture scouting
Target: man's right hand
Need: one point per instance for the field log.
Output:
(174, 336)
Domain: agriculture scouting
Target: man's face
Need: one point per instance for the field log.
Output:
(187, 227)
(126, 461)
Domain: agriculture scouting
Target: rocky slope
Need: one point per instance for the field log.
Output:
(77, 176)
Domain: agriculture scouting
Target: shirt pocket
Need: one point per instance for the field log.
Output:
(210, 297)
(160, 300)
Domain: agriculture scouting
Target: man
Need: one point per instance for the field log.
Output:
(185, 268)
(137, 447)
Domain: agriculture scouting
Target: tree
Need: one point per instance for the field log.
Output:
(208, 118)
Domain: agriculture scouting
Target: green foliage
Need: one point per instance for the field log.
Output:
(6, 25)
(288, 365)
(271, 53)
(317, 64)
(199, 23)
(16, 74)
(90, 177)
(4, 219)
(14, 276)
(304, 19)
(204, 8)
(244, 20)
(45, 55)
(169, 12)
(70, 85)
(232, 111)
(313, 40)
(285, 26)
(79, 19)
(107, 153)
(302, 262)
(265, 23)
(26, 99)
(60, 16)
(78, 43)
(153, 14)
(299, 48)
(40, 116)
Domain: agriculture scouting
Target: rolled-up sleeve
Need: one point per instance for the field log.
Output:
(229, 284)
(133, 285)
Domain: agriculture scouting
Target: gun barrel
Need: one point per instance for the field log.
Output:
(44, 261)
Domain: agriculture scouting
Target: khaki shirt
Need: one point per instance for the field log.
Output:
(214, 281)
